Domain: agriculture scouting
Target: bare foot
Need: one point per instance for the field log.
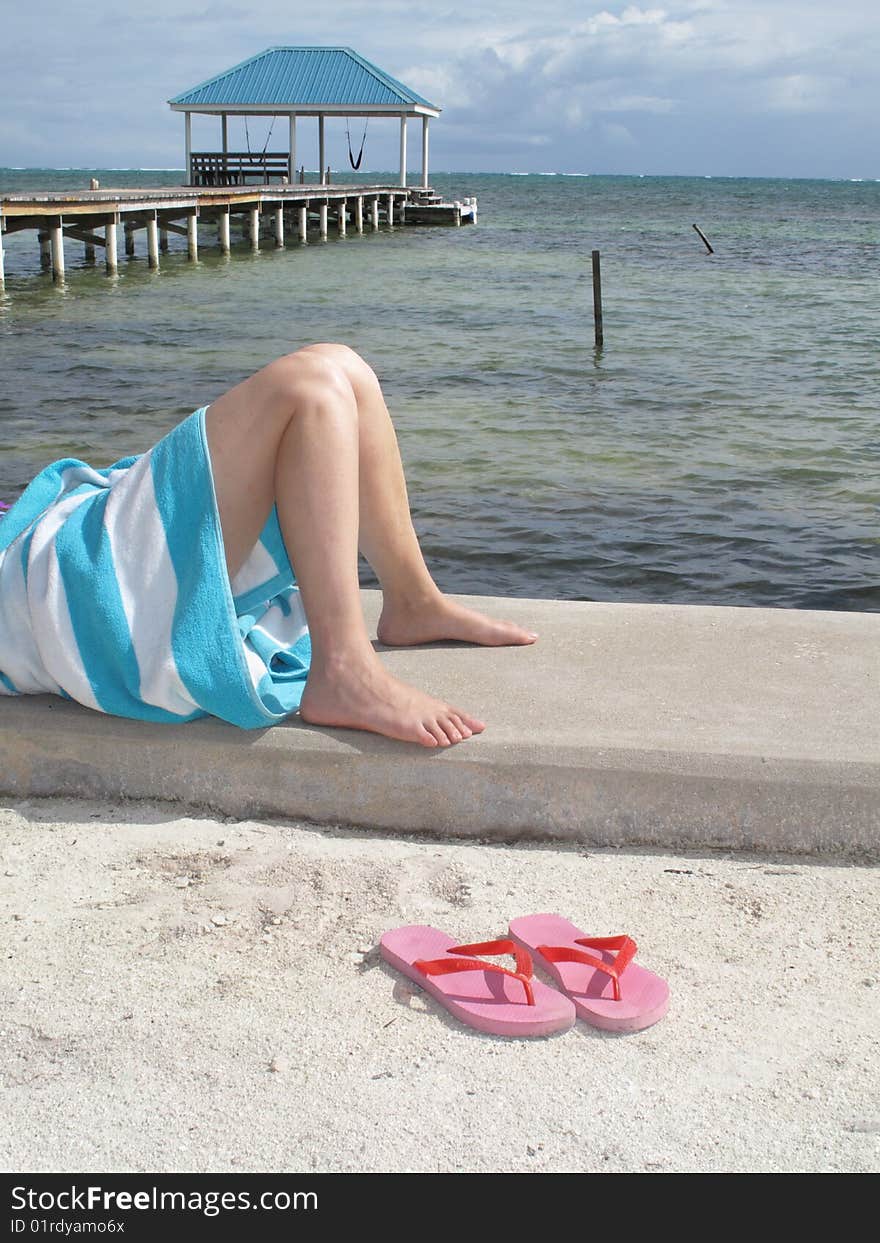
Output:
(361, 694)
(441, 618)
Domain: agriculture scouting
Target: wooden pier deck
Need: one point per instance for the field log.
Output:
(93, 217)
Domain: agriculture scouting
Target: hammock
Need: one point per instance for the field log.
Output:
(356, 163)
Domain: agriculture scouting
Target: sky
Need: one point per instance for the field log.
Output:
(765, 88)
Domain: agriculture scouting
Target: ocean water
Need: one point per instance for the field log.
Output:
(722, 448)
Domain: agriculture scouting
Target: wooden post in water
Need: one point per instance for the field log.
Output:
(2, 269)
(341, 216)
(597, 301)
(323, 215)
(359, 213)
(255, 228)
(304, 222)
(374, 213)
(128, 230)
(225, 246)
(163, 240)
(390, 210)
(705, 239)
(45, 250)
(279, 225)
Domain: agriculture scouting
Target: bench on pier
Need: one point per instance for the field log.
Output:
(238, 168)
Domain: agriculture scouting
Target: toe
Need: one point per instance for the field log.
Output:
(425, 737)
(436, 730)
(475, 726)
(451, 730)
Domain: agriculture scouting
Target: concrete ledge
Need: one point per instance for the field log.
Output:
(662, 725)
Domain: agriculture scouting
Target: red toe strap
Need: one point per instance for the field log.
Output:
(626, 952)
(446, 966)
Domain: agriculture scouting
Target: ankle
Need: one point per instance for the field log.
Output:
(335, 660)
(414, 598)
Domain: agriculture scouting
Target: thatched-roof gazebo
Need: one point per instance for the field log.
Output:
(295, 82)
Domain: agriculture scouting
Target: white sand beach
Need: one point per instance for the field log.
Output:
(185, 993)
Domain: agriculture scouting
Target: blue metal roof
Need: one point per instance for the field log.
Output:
(302, 75)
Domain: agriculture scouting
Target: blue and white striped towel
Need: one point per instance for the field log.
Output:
(114, 593)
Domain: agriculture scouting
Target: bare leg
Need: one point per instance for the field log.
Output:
(414, 610)
(296, 435)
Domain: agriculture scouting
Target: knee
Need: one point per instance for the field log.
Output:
(307, 375)
(356, 368)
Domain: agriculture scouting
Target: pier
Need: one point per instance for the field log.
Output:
(303, 211)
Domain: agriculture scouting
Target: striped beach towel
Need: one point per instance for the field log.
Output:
(114, 593)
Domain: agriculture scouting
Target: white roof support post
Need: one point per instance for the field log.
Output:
(403, 149)
(291, 163)
(189, 123)
(424, 153)
(321, 147)
(224, 132)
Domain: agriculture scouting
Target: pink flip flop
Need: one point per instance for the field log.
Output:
(482, 994)
(608, 989)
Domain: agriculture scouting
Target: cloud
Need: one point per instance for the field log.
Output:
(630, 87)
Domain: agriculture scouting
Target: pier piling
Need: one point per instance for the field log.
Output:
(192, 236)
(255, 228)
(56, 242)
(279, 225)
(304, 222)
(45, 250)
(110, 259)
(223, 219)
(153, 241)
(341, 217)
(323, 216)
(359, 214)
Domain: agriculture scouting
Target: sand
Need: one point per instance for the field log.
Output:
(182, 993)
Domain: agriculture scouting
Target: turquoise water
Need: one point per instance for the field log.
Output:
(722, 448)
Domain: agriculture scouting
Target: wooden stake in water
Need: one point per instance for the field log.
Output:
(597, 300)
(705, 239)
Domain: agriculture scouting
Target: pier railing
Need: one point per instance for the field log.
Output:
(237, 168)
